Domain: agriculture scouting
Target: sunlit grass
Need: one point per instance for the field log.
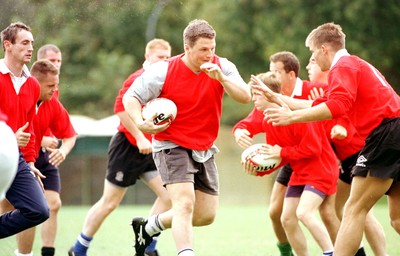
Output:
(238, 230)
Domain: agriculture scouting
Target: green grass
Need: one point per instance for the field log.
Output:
(238, 230)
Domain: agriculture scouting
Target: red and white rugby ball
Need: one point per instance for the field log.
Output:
(263, 162)
(164, 108)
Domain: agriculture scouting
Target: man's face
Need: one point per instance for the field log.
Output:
(321, 58)
(260, 102)
(157, 54)
(314, 71)
(55, 58)
(202, 51)
(21, 50)
(48, 86)
(278, 67)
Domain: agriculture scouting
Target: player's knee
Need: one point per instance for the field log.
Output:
(55, 205)
(287, 222)
(304, 216)
(395, 223)
(204, 220)
(275, 213)
(110, 206)
(37, 215)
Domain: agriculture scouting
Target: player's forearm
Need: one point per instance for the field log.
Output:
(295, 104)
(316, 113)
(68, 144)
(129, 124)
(133, 108)
(237, 91)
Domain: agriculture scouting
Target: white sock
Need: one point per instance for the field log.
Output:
(22, 254)
(154, 225)
(186, 252)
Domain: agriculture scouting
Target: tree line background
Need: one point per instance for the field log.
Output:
(103, 41)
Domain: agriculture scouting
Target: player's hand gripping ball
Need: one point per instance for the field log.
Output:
(164, 108)
(263, 162)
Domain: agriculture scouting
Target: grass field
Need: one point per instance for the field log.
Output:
(242, 230)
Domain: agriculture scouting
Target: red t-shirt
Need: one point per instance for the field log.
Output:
(20, 108)
(307, 149)
(359, 90)
(119, 106)
(199, 102)
(52, 115)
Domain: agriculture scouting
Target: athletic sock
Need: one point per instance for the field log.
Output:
(152, 245)
(154, 225)
(82, 244)
(22, 254)
(48, 251)
(186, 252)
(285, 249)
(327, 253)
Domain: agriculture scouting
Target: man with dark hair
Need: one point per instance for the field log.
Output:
(184, 150)
(19, 93)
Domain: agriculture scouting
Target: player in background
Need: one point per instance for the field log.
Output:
(359, 90)
(8, 156)
(184, 149)
(288, 66)
(51, 115)
(315, 171)
(19, 93)
(129, 159)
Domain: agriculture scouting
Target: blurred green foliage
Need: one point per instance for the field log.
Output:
(103, 41)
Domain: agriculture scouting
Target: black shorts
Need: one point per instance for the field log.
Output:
(125, 163)
(52, 180)
(381, 153)
(284, 174)
(345, 168)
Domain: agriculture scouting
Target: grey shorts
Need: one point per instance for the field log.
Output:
(176, 165)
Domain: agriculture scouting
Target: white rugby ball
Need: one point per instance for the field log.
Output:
(164, 108)
(262, 161)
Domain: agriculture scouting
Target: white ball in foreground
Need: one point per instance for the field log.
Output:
(262, 161)
(164, 108)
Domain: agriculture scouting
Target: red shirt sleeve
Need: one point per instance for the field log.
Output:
(253, 122)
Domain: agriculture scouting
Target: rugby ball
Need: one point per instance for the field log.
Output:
(164, 108)
(263, 162)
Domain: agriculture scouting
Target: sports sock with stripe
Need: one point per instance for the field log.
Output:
(154, 225)
(82, 244)
(186, 252)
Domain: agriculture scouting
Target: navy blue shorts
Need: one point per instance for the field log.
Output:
(52, 180)
(381, 153)
(125, 163)
(284, 174)
(27, 197)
